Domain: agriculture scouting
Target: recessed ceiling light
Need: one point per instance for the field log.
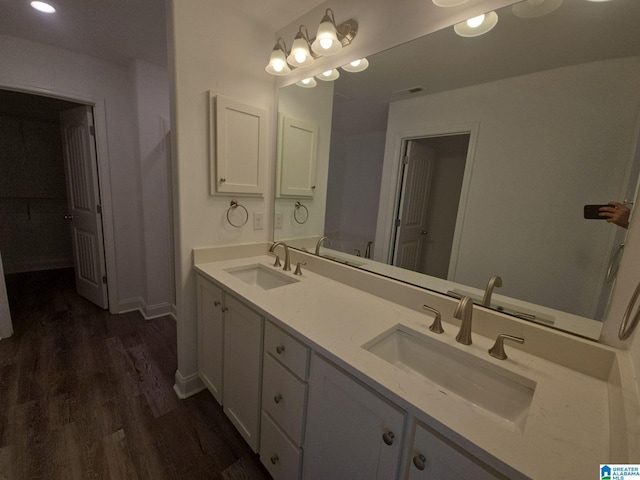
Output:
(43, 7)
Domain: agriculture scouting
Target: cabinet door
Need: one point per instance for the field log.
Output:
(238, 139)
(352, 433)
(433, 456)
(297, 152)
(210, 336)
(242, 369)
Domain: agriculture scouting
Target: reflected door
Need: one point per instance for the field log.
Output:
(80, 160)
(414, 206)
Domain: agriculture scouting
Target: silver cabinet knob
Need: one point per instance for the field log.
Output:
(277, 398)
(280, 349)
(222, 180)
(68, 217)
(274, 459)
(424, 232)
(418, 461)
(388, 438)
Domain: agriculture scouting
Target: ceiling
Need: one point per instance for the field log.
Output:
(121, 30)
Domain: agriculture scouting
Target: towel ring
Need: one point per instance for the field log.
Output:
(233, 206)
(297, 209)
(625, 327)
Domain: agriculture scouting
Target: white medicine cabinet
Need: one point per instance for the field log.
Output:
(297, 152)
(237, 147)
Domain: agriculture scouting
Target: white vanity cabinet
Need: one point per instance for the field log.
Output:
(433, 456)
(230, 356)
(284, 398)
(210, 336)
(351, 431)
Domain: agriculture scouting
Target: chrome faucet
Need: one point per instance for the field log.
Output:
(287, 259)
(494, 281)
(464, 312)
(320, 240)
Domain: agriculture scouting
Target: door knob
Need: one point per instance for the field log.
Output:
(68, 217)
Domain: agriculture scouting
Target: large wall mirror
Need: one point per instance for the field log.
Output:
(451, 159)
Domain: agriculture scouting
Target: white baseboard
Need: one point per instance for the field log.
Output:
(36, 265)
(187, 386)
(148, 311)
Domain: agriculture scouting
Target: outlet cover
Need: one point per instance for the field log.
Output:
(277, 221)
(258, 221)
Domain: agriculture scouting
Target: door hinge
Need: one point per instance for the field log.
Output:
(99, 209)
(104, 279)
(397, 222)
(405, 160)
(92, 130)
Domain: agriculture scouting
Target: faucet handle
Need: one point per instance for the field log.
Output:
(497, 351)
(298, 269)
(436, 326)
(277, 262)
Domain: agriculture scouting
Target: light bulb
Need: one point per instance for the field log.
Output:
(278, 66)
(43, 7)
(300, 56)
(327, 73)
(326, 43)
(356, 63)
(306, 81)
(475, 22)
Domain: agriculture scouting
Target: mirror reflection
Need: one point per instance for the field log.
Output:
(451, 160)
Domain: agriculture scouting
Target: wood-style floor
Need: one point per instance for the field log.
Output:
(88, 395)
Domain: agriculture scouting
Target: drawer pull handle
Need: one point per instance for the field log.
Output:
(280, 349)
(418, 461)
(388, 438)
(225, 309)
(277, 398)
(216, 303)
(274, 459)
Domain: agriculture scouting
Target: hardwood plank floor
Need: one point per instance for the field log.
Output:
(89, 395)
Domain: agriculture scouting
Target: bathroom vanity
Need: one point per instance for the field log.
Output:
(334, 373)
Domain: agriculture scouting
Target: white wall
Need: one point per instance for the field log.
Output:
(33, 67)
(151, 85)
(536, 149)
(212, 47)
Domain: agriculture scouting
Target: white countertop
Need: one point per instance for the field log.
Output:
(567, 430)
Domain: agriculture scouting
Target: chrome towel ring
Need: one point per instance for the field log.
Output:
(233, 206)
(299, 207)
(627, 328)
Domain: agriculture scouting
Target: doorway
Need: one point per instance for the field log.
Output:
(34, 194)
(428, 201)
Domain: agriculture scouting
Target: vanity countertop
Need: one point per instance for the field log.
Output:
(567, 433)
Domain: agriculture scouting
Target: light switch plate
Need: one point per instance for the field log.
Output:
(258, 221)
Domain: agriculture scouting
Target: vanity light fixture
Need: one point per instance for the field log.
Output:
(300, 55)
(278, 60)
(449, 3)
(358, 65)
(477, 25)
(330, 39)
(329, 75)
(326, 42)
(43, 7)
(535, 8)
(307, 83)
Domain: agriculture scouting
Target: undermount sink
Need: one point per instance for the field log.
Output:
(489, 387)
(261, 276)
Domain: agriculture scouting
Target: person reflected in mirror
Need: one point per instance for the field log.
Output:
(616, 212)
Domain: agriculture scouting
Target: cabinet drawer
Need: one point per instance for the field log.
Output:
(283, 397)
(293, 354)
(281, 457)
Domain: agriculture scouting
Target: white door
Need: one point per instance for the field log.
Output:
(414, 202)
(80, 161)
